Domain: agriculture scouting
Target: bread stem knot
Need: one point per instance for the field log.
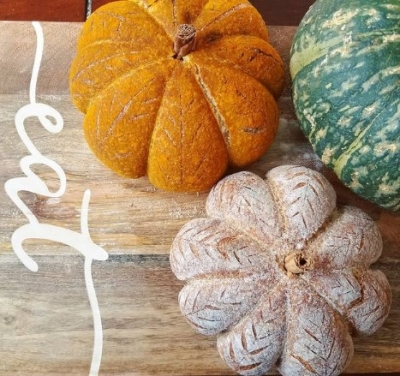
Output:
(185, 40)
(297, 263)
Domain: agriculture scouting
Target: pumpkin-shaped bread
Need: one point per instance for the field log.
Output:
(178, 90)
(345, 66)
(281, 273)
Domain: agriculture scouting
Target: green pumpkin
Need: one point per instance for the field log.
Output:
(345, 67)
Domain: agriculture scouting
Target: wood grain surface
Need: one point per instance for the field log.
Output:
(46, 323)
(44, 10)
(275, 12)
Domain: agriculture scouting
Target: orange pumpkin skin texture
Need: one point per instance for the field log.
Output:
(178, 110)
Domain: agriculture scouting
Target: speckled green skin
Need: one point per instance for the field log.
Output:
(345, 66)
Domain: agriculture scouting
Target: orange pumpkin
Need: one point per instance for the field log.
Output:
(178, 90)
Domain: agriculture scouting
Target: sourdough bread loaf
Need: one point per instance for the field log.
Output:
(281, 274)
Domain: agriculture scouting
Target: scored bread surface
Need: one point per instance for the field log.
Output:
(241, 285)
(142, 103)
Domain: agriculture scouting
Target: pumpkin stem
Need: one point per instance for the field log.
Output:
(297, 263)
(185, 40)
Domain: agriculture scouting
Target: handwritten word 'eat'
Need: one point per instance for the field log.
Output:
(31, 182)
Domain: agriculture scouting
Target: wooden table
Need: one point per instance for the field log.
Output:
(275, 12)
(46, 323)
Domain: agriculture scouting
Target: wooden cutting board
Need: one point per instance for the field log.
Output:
(46, 319)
